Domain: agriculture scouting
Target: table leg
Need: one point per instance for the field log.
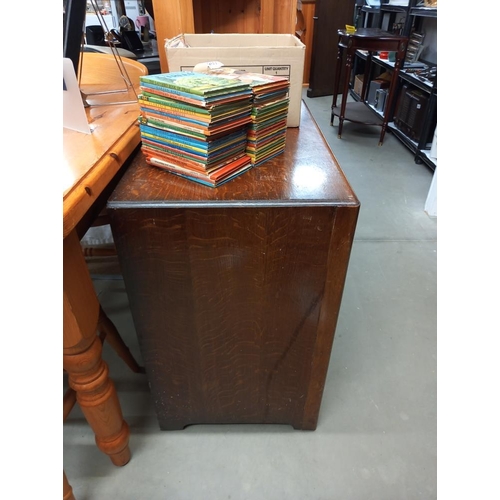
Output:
(392, 90)
(338, 72)
(345, 90)
(87, 372)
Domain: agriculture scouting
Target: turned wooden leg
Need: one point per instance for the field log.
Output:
(96, 395)
(82, 360)
(110, 333)
(67, 489)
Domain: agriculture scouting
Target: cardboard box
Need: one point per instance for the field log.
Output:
(273, 54)
(358, 84)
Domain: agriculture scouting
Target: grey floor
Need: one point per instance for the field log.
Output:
(376, 436)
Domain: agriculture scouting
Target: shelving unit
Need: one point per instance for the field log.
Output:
(423, 145)
(408, 19)
(383, 17)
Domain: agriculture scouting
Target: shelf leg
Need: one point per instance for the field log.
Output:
(392, 89)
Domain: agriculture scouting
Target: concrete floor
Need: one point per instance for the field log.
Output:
(376, 436)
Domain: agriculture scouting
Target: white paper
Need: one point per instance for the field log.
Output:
(74, 116)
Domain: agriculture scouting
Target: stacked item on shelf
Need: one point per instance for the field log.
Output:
(267, 132)
(194, 125)
(427, 74)
(415, 47)
(410, 113)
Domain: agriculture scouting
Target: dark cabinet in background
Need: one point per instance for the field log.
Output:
(329, 17)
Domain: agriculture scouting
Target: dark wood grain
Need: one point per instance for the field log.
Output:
(235, 291)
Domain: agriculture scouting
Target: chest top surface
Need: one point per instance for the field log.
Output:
(305, 174)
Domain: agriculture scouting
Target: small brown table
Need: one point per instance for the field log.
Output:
(371, 40)
(235, 291)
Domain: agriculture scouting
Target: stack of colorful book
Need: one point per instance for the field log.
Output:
(195, 125)
(267, 132)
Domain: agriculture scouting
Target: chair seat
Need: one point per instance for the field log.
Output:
(107, 50)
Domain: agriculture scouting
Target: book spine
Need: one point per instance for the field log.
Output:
(233, 168)
(185, 150)
(176, 139)
(174, 147)
(207, 103)
(181, 119)
(176, 152)
(173, 93)
(202, 90)
(164, 102)
(151, 80)
(169, 126)
(176, 160)
(184, 176)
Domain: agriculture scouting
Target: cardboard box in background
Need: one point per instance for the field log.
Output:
(273, 54)
(358, 84)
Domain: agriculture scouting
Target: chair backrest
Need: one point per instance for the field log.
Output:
(131, 41)
(103, 69)
(94, 35)
(107, 50)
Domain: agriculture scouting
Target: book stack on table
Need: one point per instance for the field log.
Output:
(195, 125)
(267, 132)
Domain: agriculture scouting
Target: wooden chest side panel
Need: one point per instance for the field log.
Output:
(228, 304)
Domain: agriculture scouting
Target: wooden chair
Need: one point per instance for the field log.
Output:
(97, 91)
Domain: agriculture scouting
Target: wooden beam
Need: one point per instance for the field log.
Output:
(285, 16)
(267, 16)
(172, 17)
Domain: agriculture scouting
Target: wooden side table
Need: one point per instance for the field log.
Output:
(371, 40)
(235, 291)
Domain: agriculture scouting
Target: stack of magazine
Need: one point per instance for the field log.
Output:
(195, 125)
(267, 132)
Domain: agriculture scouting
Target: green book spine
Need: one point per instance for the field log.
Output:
(171, 103)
